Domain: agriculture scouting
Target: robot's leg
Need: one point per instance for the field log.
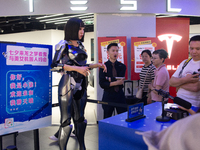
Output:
(64, 133)
(65, 101)
(80, 128)
(79, 121)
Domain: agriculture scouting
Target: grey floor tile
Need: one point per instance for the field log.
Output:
(25, 140)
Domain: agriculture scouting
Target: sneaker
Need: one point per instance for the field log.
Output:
(53, 138)
(72, 134)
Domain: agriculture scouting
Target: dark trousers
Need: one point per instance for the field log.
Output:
(114, 97)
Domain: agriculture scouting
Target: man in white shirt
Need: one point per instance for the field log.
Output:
(186, 79)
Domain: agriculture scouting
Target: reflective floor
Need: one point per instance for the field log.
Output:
(25, 140)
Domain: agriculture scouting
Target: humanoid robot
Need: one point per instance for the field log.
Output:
(72, 96)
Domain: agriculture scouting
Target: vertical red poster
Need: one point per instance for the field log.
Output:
(173, 36)
(103, 42)
(137, 46)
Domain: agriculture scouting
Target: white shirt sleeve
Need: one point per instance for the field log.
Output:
(176, 73)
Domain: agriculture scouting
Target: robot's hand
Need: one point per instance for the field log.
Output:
(57, 67)
(53, 65)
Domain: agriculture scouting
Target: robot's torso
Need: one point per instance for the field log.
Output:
(71, 55)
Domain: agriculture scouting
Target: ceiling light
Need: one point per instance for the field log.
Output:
(55, 15)
(31, 5)
(85, 20)
(78, 2)
(65, 21)
(68, 17)
(60, 22)
(57, 20)
(78, 8)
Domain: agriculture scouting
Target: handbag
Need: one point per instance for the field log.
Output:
(139, 93)
(140, 90)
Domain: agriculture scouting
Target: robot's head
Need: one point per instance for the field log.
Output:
(72, 29)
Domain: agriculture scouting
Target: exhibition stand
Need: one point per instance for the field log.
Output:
(116, 133)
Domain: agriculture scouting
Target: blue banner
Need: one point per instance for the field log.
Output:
(25, 87)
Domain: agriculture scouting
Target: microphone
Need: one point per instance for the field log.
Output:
(182, 102)
(176, 100)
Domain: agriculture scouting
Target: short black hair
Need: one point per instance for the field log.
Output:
(110, 45)
(195, 38)
(162, 53)
(147, 51)
(72, 28)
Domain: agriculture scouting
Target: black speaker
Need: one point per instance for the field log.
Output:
(175, 113)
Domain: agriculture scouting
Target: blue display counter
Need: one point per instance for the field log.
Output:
(116, 133)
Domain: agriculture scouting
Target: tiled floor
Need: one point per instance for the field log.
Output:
(25, 140)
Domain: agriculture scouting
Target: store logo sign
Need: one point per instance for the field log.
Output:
(134, 3)
(169, 9)
(170, 38)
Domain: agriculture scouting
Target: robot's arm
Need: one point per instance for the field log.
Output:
(56, 65)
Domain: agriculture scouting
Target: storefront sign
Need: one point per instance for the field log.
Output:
(33, 7)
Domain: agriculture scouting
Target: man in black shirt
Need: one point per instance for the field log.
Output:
(112, 87)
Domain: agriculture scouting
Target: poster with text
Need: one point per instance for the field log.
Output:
(26, 87)
(137, 46)
(103, 42)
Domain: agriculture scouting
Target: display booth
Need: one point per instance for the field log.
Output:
(116, 133)
(120, 134)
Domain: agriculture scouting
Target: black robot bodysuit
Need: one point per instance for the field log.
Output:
(71, 92)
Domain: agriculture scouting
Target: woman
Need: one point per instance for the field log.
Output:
(70, 59)
(146, 75)
(161, 80)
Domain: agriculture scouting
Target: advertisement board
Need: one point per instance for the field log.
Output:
(26, 87)
(137, 46)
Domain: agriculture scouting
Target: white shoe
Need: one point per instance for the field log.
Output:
(72, 134)
(53, 138)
